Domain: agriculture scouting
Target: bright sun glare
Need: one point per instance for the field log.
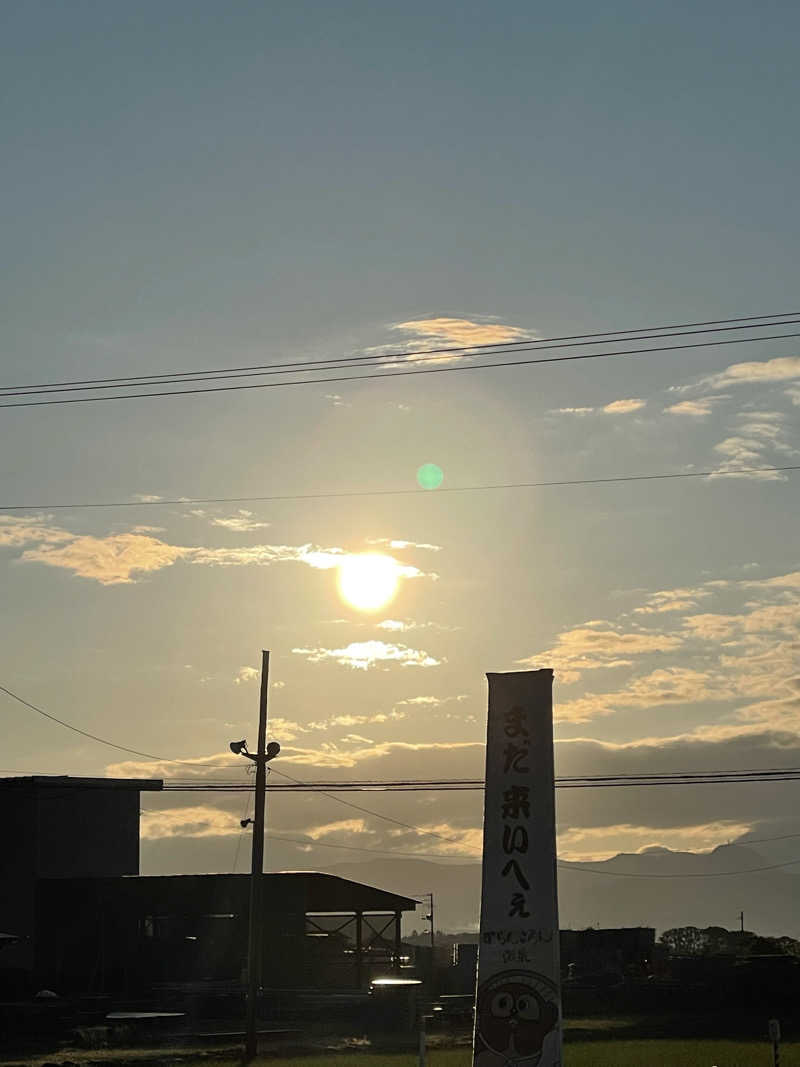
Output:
(368, 581)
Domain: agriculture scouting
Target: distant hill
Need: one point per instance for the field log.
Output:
(768, 898)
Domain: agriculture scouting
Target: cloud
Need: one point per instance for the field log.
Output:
(794, 395)
(464, 332)
(336, 400)
(242, 522)
(405, 625)
(397, 544)
(121, 558)
(615, 407)
(672, 685)
(430, 701)
(111, 560)
(201, 820)
(18, 530)
(697, 408)
(624, 407)
(362, 655)
(588, 648)
(672, 600)
(779, 369)
(245, 675)
(597, 843)
(350, 826)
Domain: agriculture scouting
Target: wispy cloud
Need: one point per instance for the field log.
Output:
(363, 655)
(246, 675)
(779, 369)
(396, 543)
(111, 560)
(759, 440)
(615, 407)
(695, 408)
(673, 600)
(405, 625)
(241, 522)
(586, 648)
(624, 407)
(464, 332)
(121, 558)
(673, 685)
(201, 820)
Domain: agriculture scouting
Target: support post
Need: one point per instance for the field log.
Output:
(359, 949)
(398, 941)
(255, 933)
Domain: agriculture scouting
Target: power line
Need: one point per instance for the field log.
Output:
(367, 811)
(327, 789)
(707, 874)
(92, 737)
(408, 826)
(358, 493)
(377, 359)
(398, 374)
(562, 864)
(476, 785)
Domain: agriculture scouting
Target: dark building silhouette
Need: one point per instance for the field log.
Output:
(138, 936)
(61, 827)
(611, 951)
(77, 917)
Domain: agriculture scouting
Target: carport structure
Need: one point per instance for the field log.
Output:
(129, 935)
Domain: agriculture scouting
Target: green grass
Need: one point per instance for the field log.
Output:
(660, 1053)
(580, 1054)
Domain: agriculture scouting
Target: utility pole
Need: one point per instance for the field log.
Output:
(265, 752)
(433, 935)
(741, 921)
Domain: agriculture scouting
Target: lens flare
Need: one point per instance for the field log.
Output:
(430, 476)
(368, 581)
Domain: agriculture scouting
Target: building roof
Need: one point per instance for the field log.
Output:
(309, 891)
(66, 781)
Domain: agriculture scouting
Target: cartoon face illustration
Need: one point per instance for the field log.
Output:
(516, 1010)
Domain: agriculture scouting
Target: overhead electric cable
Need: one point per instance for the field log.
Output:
(565, 865)
(383, 375)
(367, 811)
(406, 785)
(528, 344)
(359, 493)
(92, 737)
(707, 874)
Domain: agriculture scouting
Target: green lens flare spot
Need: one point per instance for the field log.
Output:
(429, 476)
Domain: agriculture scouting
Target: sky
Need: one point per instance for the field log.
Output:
(196, 185)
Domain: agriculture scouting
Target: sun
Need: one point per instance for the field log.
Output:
(368, 580)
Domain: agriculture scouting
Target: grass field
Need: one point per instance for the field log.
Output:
(582, 1054)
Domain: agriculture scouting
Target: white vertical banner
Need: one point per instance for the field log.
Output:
(518, 1002)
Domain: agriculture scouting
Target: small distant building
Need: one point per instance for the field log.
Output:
(609, 951)
(61, 827)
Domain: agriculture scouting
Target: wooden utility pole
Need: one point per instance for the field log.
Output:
(433, 935)
(256, 933)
